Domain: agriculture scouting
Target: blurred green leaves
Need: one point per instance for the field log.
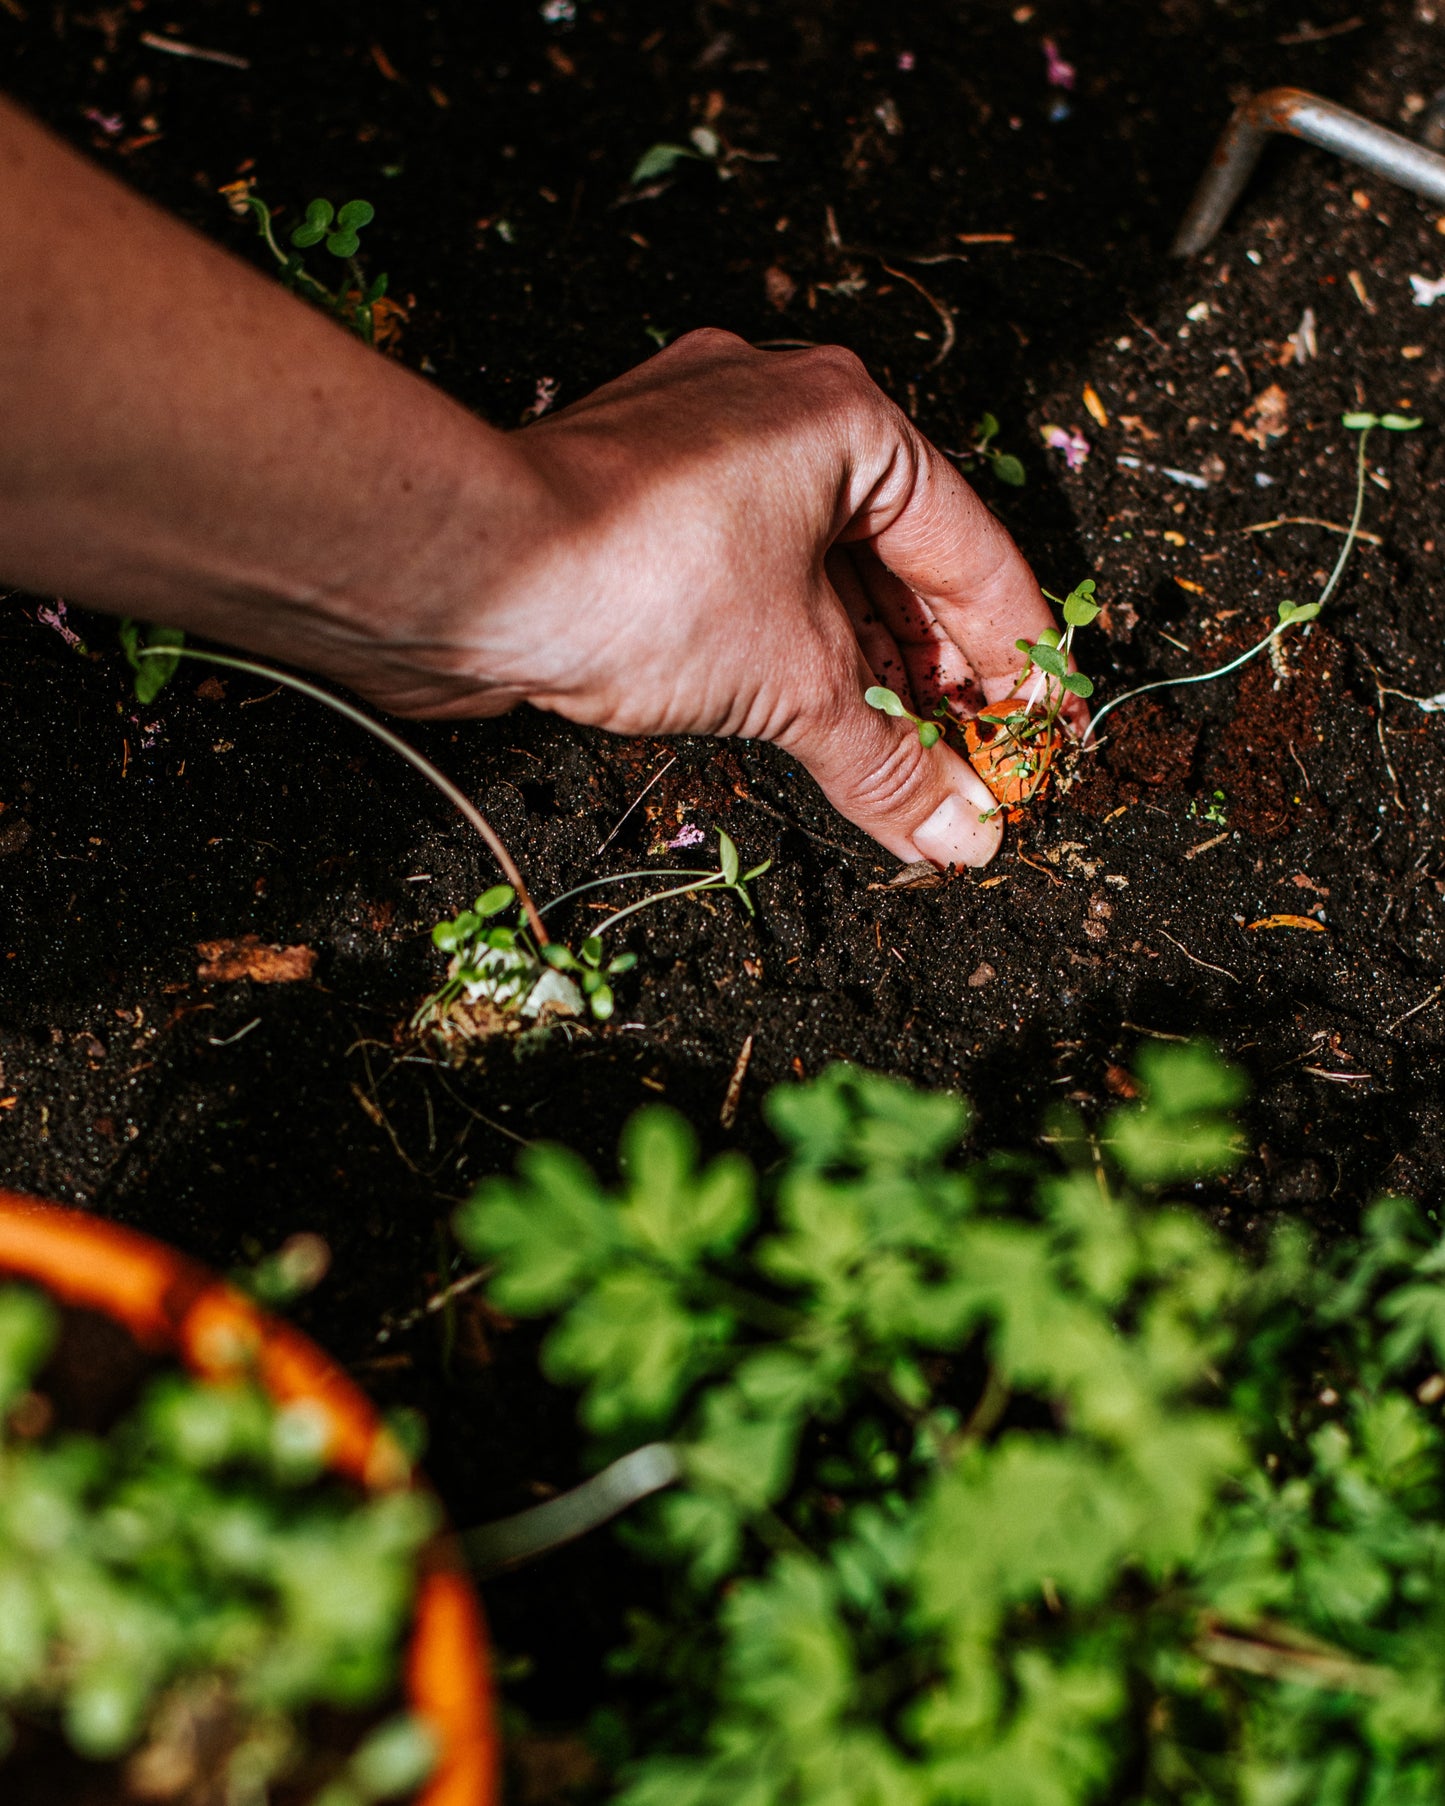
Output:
(1004, 1482)
(196, 1549)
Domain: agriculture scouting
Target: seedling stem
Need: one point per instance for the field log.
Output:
(457, 798)
(1291, 614)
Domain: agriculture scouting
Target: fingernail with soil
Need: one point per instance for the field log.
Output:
(954, 835)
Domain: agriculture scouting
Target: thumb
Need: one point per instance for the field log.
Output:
(920, 802)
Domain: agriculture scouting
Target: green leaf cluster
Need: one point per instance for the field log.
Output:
(354, 300)
(1006, 1482)
(340, 230)
(1005, 466)
(148, 652)
(196, 1553)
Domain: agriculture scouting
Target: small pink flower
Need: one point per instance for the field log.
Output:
(1073, 445)
(55, 617)
(688, 836)
(546, 395)
(1060, 74)
(905, 61)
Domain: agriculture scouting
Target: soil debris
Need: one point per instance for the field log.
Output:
(226, 962)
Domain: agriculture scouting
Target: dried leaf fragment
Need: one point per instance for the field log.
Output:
(1266, 417)
(921, 875)
(1291, 922)
(225, 962)
(779, 286)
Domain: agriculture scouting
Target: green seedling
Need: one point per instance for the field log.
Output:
(1213, 811)
(193, 1581)
(889, 702)
(504, 966)
(1012, 750)
(1048, 657)
(1290, 614)
(1005, 466)
(983, 452)
(997, 1479)
(353, 300)
(515, 968)
(660, 160)
(153, 653)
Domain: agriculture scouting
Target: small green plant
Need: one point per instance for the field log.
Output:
(504, 966)
(1012, 744)
(1048, 657)
(353, 300)
(1046, 660)
(659, 160)
(1004, 465)
(889, 702)
(153, 653)
(999, 1482)
(1290, 614)
(1212, 811)
(191, 1582)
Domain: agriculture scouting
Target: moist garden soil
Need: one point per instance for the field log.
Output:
(865, 150)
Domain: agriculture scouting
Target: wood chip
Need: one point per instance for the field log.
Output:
(1095, 405)
(225, 962)
(728, 1115)
(1357, 283)
(779, 286)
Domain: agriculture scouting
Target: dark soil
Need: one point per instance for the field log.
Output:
(864, 139)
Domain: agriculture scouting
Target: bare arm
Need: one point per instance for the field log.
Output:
(722, 541)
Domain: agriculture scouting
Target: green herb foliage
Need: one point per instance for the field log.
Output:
(194, 1568)
(503, 965)
(1007, 1482)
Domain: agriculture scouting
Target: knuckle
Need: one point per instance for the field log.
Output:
(705, 341)
(839, 364)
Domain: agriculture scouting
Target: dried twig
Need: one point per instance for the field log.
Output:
(1434, 997)
(1308, 520)
(174, 47)
(656, 776)
(945, 314)
(1221, 970)
(728, 1115)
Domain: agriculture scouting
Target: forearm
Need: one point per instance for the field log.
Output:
(185, 441)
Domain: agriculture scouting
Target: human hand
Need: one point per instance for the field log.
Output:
(723, 541)
(741, 542)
